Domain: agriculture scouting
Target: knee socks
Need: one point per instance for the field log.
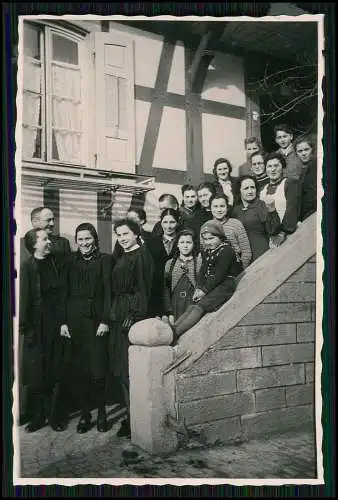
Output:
(187, 320)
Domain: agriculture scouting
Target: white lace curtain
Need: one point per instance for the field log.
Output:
(31, 106)
(66, 112)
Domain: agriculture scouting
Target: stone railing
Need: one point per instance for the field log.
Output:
(244, 368)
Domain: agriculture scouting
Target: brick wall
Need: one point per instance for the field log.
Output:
(259, 377)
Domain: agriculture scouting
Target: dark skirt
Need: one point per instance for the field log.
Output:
(45, 364)
(118, 350)
(181, 296)
(89, 353)
(218, 296)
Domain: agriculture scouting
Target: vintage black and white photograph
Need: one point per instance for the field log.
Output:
(169, 249)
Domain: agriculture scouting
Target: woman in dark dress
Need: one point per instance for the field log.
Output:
(88, 308)
(225, 183)
(131, 286)
(42, 312)
(304, 148)
(162, 249)
(258, 221)
(216, 280)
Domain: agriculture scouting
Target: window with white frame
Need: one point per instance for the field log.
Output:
(78, 98)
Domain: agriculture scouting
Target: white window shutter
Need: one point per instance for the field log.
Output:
(114, 113)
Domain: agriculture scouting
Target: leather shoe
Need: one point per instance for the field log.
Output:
(36, 424)
(84, 424)
(124, 430)
(102, 422)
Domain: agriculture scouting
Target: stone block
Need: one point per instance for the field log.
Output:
(293, 292)
(227, 430)
(217, 408)
(265, 314)
(242, 336)
(305, 274)
(281, 420)
(285, 354)
(226, 360)
(199, 387)
(309, 372)
(268, 399)
(275, 376)
(150, 398)
(300, 395)
(313, 311)
(306, 332)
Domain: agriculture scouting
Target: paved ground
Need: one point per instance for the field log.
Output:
(47, 454)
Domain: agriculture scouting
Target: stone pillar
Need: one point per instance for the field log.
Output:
(152, 393)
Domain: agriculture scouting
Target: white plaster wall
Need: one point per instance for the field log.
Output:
(147, 52)
(222, 136)
(176, 83)
(225, 80)
(31, 197)
(170, 149)
(76, 207)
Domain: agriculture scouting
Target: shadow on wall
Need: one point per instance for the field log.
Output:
(225, 80)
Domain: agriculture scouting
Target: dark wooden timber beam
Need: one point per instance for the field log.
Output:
(204, 54)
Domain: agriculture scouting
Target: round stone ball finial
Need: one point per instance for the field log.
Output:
(151, 332)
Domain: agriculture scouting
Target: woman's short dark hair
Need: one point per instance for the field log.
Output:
(275, 156)
(251, 177)
(219, 196)
(167, 196)
(219, 161)
(304, 138)
(140, 212)
(186, 232)
(31, 238)
(282, 127)
(133, 226)
(187, 187)
(87, 226)
(172, 212)
(206, 185)
(261, 152)
(252, 140)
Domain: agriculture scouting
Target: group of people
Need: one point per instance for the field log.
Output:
(76, 308)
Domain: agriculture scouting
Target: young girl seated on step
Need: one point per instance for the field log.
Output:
(180, 277)
(215, 283)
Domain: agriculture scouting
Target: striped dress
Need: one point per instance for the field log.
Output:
(238, 238)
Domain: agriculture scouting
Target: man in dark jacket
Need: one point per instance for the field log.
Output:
(43, 218)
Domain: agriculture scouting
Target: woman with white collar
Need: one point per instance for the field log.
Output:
(283, 195)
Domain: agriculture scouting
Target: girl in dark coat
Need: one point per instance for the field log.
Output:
(42, 312)
(162, 249)
(131, 286)
(88, 308)
(258, 221)
(216, 279)
(180, 276)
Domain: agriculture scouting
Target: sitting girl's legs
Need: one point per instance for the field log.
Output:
(187, 320)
